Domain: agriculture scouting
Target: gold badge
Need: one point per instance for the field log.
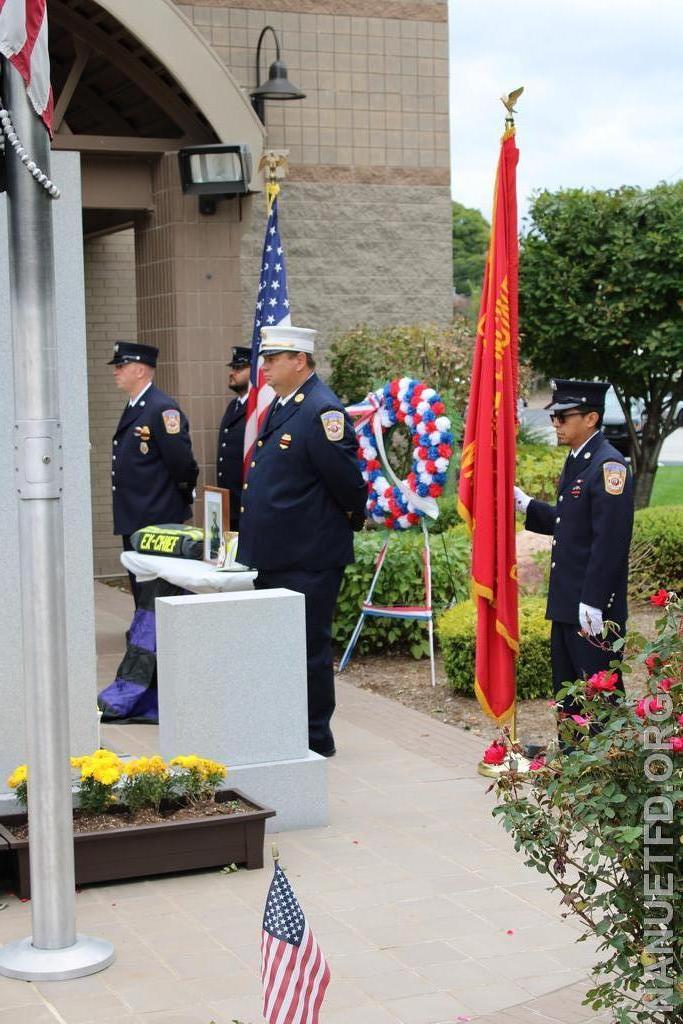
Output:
(614, 475)
(144, 447)
(299, 398)
(144, 433)
(333, 424)
(171, 418)
(285, 441)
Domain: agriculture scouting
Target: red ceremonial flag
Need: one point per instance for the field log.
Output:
(23, 40)
(487, 471)
(294, 971)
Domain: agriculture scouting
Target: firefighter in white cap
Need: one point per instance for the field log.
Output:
(303, 497)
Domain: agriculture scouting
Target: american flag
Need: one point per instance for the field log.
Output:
(294, 972)
(23, 40)
(272, 309)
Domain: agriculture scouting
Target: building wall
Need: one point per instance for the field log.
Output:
(110, 316)
(365, 210)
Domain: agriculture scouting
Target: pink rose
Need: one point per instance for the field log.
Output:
(660, 598)
(495, 753)
(665, 684)
(646, 705)
(654, 662)
(537, 763)
(602, 682)
(680, 719)
(676, 744)
(580, 719)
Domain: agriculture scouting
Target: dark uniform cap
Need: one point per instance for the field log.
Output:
(577, 394)
(132, 352)
(241, 356)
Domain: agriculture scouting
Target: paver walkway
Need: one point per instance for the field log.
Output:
(423, 909)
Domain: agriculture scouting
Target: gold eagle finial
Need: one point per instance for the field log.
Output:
(274, 164)
(510, 100)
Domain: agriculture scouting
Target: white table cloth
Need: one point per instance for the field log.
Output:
(199, 577)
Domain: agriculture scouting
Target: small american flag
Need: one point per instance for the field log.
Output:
(272, 309)
(294, 972)
(23, 40)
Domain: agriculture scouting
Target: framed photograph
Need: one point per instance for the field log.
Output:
(216, 521)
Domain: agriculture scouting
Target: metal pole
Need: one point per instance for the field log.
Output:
(54, 951)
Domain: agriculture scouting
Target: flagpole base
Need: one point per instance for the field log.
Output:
(26, 962)
(514, 762)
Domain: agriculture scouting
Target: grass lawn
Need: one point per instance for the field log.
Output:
(668, 488)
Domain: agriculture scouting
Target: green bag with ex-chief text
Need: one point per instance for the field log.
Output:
(171, 539)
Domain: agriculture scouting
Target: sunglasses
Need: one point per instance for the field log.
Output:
(560, 417)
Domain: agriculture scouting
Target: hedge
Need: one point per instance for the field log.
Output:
(400, 583)
(538, 469)
(657, 550)
(457, 633)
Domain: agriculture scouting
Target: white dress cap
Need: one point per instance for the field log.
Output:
(287, 339)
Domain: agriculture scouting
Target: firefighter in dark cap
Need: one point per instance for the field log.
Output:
(590, 523)
(303, 497)
(153, 470)
(230, 455)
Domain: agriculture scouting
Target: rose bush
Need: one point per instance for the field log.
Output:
(603, 822)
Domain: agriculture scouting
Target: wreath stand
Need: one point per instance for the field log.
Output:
(421, 613)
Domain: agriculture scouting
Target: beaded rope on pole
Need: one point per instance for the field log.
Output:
(30, 164)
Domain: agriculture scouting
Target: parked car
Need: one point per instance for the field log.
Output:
(614, 421)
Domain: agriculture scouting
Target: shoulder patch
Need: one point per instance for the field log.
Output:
(614, 477)
(333, 424)
(171, 418)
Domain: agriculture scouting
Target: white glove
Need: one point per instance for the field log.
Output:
(590, 620)
(521, 500)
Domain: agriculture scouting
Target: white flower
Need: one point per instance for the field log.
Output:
(442, 423)
(441, 465)
(422, 407)
(425, 478)
(421, 466)
(421, 428)
(428, 393)
(435, 437)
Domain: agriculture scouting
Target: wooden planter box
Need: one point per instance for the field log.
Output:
(134, 851)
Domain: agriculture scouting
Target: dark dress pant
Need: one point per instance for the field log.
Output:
(574, 657)
(320, 590)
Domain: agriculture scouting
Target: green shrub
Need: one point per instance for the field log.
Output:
(657, 550)
(456, 630)
(400, 583)
(365, 358)
(538, 469)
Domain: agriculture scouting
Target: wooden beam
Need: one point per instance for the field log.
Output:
(73, 78)
(131, 68)
(120, 144)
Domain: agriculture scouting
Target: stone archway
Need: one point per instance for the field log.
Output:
(133, 82)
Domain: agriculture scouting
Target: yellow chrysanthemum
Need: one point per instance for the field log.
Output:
(106, 774)
(145, 766)
(186, 761)
(19, 775)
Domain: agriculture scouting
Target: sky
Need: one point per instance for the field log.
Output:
(603, 93)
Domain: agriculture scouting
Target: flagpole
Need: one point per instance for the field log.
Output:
(54, 951)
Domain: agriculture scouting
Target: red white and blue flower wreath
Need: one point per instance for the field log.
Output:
(400, 504)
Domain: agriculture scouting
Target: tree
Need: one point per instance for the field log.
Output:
(470, 244)
(601, 296)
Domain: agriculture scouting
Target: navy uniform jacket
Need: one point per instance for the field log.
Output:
(591, 526)
(153, 470)
(230, 455)
(300, 487)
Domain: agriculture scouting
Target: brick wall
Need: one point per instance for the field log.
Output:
(110, 315)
